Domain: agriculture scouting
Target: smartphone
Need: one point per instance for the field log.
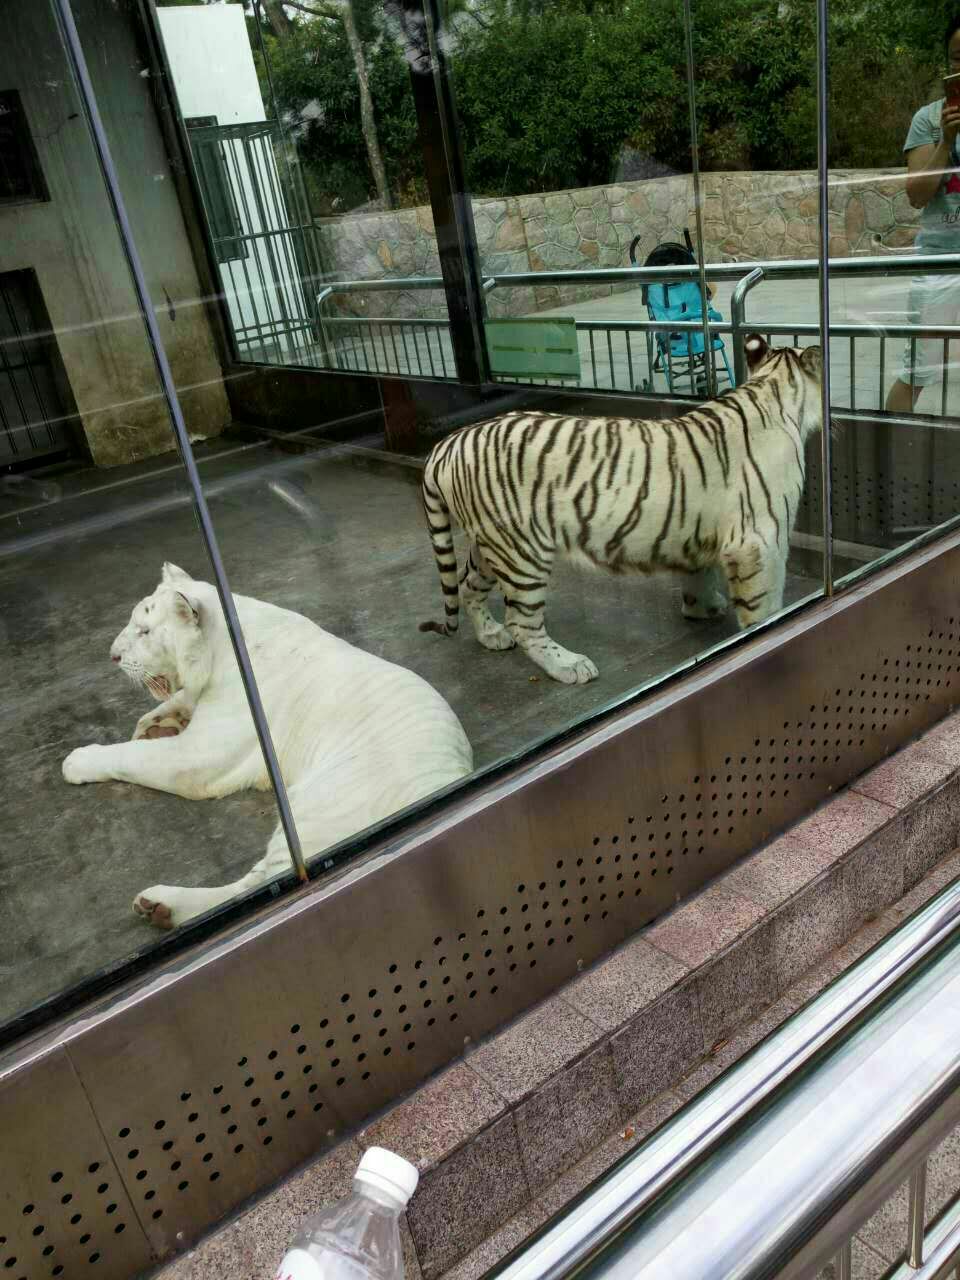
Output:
(951, 89)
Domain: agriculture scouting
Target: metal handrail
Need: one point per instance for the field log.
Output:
(746, 276)
(738, 305)
(773, 1168)
(781, 268)
(802, 328)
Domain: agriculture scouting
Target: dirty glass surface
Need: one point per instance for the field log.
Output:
(302, 131)
(93, 501)
(600, 137)
(895, 201)
(269, 154)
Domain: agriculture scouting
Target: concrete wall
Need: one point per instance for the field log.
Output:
(746, 216)
(72, 243)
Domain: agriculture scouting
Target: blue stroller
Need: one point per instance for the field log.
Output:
(680, 355)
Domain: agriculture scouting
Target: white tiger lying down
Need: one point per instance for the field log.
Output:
(715, 491)
(357, 737)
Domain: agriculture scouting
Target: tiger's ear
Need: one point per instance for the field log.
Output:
(811, 360)
(186, 610)
(173, 573)
(755, 349)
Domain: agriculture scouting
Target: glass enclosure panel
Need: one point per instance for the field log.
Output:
(754, 100)
(895, 308)
(574, 129)
(284, 221)
(575, 171)
(302, 131)
(93, 501)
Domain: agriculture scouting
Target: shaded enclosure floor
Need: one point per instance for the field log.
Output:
(358, 563)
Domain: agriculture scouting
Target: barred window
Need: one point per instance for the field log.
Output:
(218, 197)
(20, 176)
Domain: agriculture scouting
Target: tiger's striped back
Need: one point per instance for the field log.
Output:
(717, 487)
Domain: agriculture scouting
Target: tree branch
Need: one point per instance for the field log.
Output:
(333, 14)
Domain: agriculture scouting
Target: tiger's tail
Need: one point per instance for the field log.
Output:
(441, 535)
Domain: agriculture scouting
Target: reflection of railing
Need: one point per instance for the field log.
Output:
(390, 345)
(618, 353)
(773, 1169)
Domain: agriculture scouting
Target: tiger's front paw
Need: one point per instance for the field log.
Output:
(580, 671)
(564, 666)
(705, 595)
(154, 725)
(87, 764)
(703, 609)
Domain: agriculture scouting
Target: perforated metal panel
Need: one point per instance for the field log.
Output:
(233, 1067)
(64, 1210)
(887, 481)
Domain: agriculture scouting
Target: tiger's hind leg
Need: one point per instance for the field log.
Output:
(525, 621)
(524, 618)
(476, 583)
(755, 578)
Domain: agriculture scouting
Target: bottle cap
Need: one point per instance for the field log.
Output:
(389, 1173)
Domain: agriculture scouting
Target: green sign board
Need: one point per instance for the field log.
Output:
(534, 347)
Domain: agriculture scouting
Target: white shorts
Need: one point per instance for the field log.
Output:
(934, 300)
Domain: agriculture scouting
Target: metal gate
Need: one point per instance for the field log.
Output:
(263, 237)
(35, 404)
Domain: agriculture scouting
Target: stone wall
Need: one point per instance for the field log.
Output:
(746, 216)
(775, 215)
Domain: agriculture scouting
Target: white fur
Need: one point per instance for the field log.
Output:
(712, 494)
(357, 738)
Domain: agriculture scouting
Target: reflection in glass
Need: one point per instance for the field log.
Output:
(585, 169)
(93, 499)
(895, 197)
(303, 135)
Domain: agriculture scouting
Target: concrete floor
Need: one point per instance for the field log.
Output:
(71, 570)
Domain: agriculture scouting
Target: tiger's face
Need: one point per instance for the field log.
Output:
(158, 647)
(763, 359)
(799, 368)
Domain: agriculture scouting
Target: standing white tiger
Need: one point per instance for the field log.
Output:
(716, 489)
(357, 738)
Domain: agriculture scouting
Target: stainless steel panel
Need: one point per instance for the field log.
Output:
(622, 1214)
(235, 1063)
(889, 482)
(63, 1206)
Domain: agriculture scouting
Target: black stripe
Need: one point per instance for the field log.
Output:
(752, 604)
(668, 518)
(529, 608)
(746, 481)
(632, 518)
(763, 483)
(694, 450)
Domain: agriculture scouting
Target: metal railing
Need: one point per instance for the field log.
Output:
(619, 355)
(775, 1167)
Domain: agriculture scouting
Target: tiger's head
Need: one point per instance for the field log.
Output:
(163, 647)
(797, 370)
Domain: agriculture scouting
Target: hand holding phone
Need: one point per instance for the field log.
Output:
(950, 121)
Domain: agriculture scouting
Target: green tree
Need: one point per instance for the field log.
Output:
(552, 92)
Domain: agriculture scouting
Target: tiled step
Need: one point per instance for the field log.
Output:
(508, 1134)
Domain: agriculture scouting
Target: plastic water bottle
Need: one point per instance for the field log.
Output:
(359, 1237)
